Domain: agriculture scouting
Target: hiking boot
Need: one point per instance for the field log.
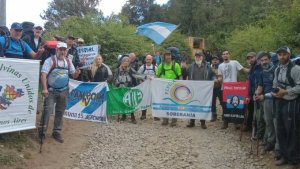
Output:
(237, 126)
(281, 162)
(225, 125)
(214, 118)
(156, 119)
(143, 117)
(123, 117)
(57, 137)
(165, 122)
(133, 121)
(173, 122)
(203, 125)
(191, 123)
(268, 147)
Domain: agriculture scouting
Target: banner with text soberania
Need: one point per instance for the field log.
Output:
(128, 100)
(86, 101)
(19, 83)
(87, 53)
(182, 99)
(235, 94)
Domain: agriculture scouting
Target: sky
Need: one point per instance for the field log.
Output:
(30, 10)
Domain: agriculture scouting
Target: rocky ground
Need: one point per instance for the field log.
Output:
(148, 145)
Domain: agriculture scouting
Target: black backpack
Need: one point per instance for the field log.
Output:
(4, 31)
(27, 29)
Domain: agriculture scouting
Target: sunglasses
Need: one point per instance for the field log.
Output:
(18, 30)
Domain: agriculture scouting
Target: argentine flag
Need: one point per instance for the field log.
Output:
(157, 31)
(87, 101)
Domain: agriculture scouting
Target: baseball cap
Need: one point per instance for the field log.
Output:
(215, 57)
(80, 40)
(283, 49)
(16, 25)
(250, 54)
(61, 45)
(199, 54)
(167, 52)
(71, 37)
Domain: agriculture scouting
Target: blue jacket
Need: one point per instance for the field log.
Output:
(15, 48)
(266, 80)
(254, 78)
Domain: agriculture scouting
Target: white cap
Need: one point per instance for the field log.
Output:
(61, 45)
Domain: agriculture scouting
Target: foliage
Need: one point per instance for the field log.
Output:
(278, 29)
(58, 10)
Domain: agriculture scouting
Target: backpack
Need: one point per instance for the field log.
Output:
(288, 74)
(163, 70)
(153, 68)
(7, 43)
(27, 29)
(4, 31)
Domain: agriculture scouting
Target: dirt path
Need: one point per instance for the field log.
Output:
(146, 145)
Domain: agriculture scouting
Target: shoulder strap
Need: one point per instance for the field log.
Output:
(290, 79)
(69, 64)
(7, 42)
(173, 69)
(144, 68)
(153, 68)
(53, 64)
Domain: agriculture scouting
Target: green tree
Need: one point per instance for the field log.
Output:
(59, 10)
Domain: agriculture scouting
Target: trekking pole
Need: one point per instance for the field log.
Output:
(41, 131)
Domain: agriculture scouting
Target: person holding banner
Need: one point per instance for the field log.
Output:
(217, 93)
(98, 71)
(227, 72)
(124, 78)
(200, 70)
(55, 81)
(147, 69)
(169, 70)
(286, 90)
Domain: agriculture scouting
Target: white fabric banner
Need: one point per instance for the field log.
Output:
(87, 53)
(19, 83)
(87, 101)
(182, 99)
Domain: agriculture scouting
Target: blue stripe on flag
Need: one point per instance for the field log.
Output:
(186, 108)
(95, 104)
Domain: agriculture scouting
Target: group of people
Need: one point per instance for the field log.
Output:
(274, 88)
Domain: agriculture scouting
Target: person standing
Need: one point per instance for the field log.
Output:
(35, 41)
(147, 69)
(133, 65)
(199, 70)
(227, 72)
(14, 47)
(286, 90)
(55, 88)
(169, 70)
(98, 71)
(217, 92)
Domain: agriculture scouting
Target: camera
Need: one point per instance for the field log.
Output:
(275, 90)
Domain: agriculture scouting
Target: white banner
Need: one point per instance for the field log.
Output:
(87, 101)
(19, 83)
(183, 99)
(87, 53)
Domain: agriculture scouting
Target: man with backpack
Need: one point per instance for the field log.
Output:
(55, 84)
(169, 70)
(199, 70)
(286, 90)
(34, 40)
(147, 69)
(14, 47)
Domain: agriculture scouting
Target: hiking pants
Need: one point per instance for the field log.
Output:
(60, 98)
(287, 116)
(217, 93)
(258, 120)
(268, 116)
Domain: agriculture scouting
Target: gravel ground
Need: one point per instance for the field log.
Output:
(148, 145)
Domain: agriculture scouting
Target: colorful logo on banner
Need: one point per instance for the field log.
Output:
(86, 97)
(133, 98)
(179, 93)
(9, 94)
